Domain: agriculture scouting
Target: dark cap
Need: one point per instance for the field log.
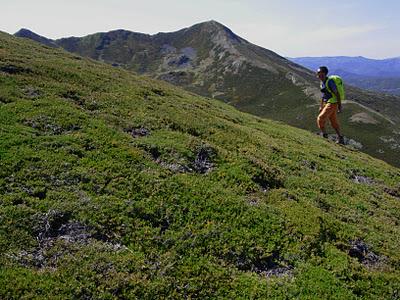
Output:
(323, 69)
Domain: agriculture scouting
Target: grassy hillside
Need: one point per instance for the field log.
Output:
(210, 60)
(115, 186)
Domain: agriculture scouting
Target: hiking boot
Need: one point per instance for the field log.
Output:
(321, 134)
(340, 140)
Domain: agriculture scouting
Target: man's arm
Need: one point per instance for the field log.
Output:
(321, 105)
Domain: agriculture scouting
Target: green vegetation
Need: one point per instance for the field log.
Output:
(210, 60)
(115, 186)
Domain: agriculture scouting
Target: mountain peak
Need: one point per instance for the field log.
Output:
(214, 27)
(211, 23)
(26, 33)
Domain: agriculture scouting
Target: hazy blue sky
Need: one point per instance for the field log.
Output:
(291, 28)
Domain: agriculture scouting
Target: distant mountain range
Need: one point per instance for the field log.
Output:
(372, 74)
(210, 60)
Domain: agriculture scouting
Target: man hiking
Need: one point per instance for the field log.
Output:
(331, 104)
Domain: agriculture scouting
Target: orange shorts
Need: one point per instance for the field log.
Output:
(329, 111)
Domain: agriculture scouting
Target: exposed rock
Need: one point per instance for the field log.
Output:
(360, 179)
(346, 141)
(138, 132)
(31, 92)
(312, 165)
(167, 49)
(73, 95)
(393, 141)
(353, 143)
(35, 124)
(181, 61)
(175, 167)
(11, 69)
(279, 272)
(265, 266)
(173, 60)
(253, 201)
(360, 250)
(203, 161)
(395, 192)
(49, 224)
(190, 52)
(58, 237)
(47, 126)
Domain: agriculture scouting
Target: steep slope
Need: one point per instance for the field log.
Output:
(210, 60)
(118, 186)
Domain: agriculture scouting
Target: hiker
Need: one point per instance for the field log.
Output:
(331, 104)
